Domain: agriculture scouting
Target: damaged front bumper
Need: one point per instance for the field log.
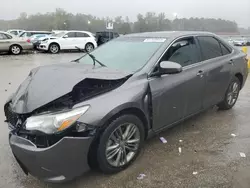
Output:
(63, 161)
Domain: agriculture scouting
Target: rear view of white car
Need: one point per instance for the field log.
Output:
(68, 41)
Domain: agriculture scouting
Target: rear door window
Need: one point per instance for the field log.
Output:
(210, 47)
(224, 49)
(3, 36)
(80, 34)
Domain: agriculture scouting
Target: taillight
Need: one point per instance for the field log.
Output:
(28, 40)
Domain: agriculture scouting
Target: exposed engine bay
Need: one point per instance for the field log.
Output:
(85, 89)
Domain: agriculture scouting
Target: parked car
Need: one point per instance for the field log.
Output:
(68, 41)
(13, 44)
(27, 34)
(36, 39)
(15, 31)
(99, 109)
(105, 36)
(240, 42)
(248, 41)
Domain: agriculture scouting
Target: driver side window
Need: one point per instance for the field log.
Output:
(183, 51)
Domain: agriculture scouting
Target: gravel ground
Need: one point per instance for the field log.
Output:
(207, 147)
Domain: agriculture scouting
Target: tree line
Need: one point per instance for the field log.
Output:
(62, 20)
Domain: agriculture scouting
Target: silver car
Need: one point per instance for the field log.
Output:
(13, 44)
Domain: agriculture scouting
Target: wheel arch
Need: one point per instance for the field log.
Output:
(56, 44)
(240, 77)
(119, 111)
(90, 43)
(16, 44)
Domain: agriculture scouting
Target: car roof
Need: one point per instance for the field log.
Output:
(168, 34)
(38, 31)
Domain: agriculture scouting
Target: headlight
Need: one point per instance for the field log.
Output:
(56, 122)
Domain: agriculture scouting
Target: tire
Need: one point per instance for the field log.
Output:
(231, 95)
(89, 47)
(15, 49)
(107, 165)
(54, 48)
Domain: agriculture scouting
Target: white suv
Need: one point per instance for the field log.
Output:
(68, 41)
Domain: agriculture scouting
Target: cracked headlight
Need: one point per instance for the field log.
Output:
(54, 122)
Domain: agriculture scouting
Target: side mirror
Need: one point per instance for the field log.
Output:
(65, 36)
(168, 67)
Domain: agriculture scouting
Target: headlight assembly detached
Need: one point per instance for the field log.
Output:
(56, 122)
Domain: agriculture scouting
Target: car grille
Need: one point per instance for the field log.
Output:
(16, 120)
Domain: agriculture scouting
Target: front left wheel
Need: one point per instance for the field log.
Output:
(120, 143)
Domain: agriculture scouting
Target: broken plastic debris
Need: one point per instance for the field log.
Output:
(194, 173)
(242, 154)
(163, 140)
(180, 140)
(141, 176)
(233, 135)
(179, 149)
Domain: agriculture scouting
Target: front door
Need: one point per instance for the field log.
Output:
(68, 41)
(179, 95)
(82, 39)
(218, 64)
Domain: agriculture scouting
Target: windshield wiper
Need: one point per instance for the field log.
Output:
(90, 55)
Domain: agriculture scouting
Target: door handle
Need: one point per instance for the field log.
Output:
(231, 62)
(200, 73)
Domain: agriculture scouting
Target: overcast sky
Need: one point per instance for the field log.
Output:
(238, 10)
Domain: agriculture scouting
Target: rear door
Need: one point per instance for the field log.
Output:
(218, 64)
(178, 95)
(82, 38)
(5, 42)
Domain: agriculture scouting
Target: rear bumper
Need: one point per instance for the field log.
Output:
(64, 161)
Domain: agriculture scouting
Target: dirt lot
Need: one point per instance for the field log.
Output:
(207, 148)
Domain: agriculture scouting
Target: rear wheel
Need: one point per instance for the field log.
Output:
(89, 47)
(54, 48)
(231, 95)
(15, 49)
(120, 143)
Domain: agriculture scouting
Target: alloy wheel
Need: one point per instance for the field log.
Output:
(233, 93)
(54, 48)
(89, 47)
(122, 145)
(15, 49)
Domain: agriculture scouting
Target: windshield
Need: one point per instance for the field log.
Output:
(58, 34)
(128, 54)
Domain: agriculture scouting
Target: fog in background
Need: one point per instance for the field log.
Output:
(238, 11)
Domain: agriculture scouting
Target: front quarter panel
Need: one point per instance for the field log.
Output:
(104, 107)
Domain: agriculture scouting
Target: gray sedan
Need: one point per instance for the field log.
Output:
(98, 110)
(13, 44)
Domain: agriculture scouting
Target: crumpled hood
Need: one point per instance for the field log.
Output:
(48, 83)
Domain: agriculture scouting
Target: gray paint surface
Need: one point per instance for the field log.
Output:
(169, 96)
(207, 145)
